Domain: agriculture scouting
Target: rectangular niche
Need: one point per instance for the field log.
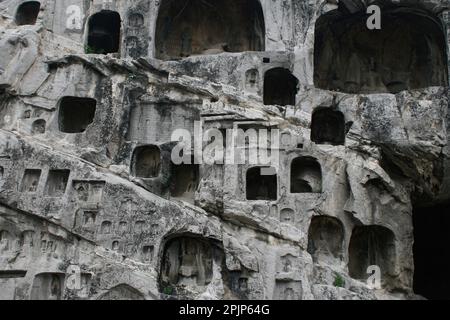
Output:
(156, 122)
(76, 114)
(48, 286)
(57, 182)
(89, 192)
(85, 221)
(11, 274)
(30, 180)
(184, 182)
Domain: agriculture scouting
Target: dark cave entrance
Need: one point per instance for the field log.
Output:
(280, 87)
(325, 237)
(146, 162)
(371, 245)
(76, 114)
(306, 175)
(104, 33)
(261, 184)
(27, 13)
(196, 27)
(328, 127)
(185, 179)
(431, 251)
(186, 261)
(409, 52)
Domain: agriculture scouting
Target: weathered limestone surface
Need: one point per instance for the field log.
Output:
(74, 198)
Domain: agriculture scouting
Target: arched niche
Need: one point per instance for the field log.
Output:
(280, 87)
(408, 52)
(146, 162)
(371, 246)
(104, 32)
(27, 13)
(328, 127)
(325, 237)
(306, 175)
(194, 27)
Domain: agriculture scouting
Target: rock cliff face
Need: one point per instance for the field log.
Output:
(92, 205)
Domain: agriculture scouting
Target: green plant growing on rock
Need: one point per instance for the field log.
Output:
(168, 290)
(339, 282)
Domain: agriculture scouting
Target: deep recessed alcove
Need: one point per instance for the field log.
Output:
(306, 175)
(261, 184)
(408, 52)
(371, 246)
(325, 237)
(104, 33)
(280, 87)
(195, 27)
(27, 13)
(328, 127)
(431, 253)
(146, 162)
(76, 114)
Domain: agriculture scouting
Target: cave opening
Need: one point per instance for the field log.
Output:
(306, 175)
(146, 162)
(76, 114)
(38, 126)
(280, 87)
(431, 252)
(185, 181)
(195, 27)
(371, 246)
(261, 184)
(104, 33)
(325, 238)
(48, 286)
(57, 182)
(409, 52)
(187, 262)
(27, 13)
(30, 180)
(328, 127)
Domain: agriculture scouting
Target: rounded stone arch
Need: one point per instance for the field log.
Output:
(146, 162)
(328, 126)
(371, 245)
(177, 259)
(122, 291)
(409, 52)
(305, 175)
(326, 237)
(27, 13)
(280, 87)
(257, 42)
(109, 19)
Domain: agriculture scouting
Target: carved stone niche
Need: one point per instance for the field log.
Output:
(88, 193)
(189, 264)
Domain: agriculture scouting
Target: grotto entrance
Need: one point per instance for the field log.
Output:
(409, 52)
(280, 87)
(76, 114)
(27, 13)
(146, 162)
(306, 175)
(325, 238)
(194, 27)
(328, 127)
(260, 185)
(104, 33)
(431, 251)
(185, 179)
(371, 245)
